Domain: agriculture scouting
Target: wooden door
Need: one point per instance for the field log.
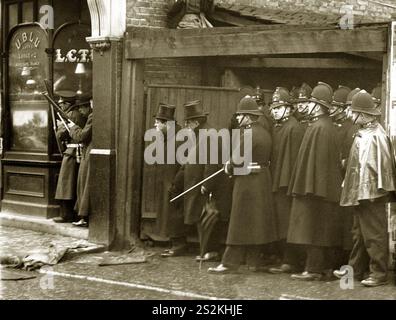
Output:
(221, 103)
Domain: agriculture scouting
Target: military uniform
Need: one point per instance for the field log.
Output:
(67, 180)
(83, 135)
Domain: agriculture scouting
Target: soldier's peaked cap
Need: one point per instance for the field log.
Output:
(66, 95)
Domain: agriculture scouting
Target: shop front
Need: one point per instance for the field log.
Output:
(34, 52)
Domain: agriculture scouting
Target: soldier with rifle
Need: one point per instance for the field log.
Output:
(66, 186)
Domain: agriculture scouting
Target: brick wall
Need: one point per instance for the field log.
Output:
(152, 13)
(368, 8)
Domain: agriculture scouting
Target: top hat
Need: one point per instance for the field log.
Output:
(248, 105)
(351, 95)
(165, 112)
(363, 102)
(66, 95)
(281, 97)
(340, 96)
(194, 109)
(322, 94)
(304, 93)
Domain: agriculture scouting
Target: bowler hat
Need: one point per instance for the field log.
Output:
(322, 94)
(194, 109)
(165, 112)
(363, 102)
(248, 105)
(304, 93)
(351, 95)
(66, 95)
(281, 97)
(340, 96)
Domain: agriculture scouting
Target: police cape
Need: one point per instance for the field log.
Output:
(371, 171)
(316, 187)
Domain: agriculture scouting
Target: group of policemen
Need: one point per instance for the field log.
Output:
(324, 170)
(74, 135)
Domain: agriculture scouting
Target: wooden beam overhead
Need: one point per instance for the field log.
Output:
(234, 20)
(315, 63)
(146, 43)
(377, 56)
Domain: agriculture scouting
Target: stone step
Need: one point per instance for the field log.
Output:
(42, 225)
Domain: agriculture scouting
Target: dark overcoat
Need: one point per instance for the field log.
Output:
(316, 185)
(345, 135)
(252, 220)
(287, 137)
(83, 136)
(169, 221)
(194, 173)
(67, 180)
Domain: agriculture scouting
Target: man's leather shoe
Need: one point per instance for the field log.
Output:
(374, 282)
(307, 276)
(284, 268)
(174, 252)
(220, 269)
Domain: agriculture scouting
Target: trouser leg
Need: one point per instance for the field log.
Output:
(359, 258)
(295, 255)
(318, 259)
(374, 229)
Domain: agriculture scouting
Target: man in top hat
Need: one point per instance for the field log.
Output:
(195, 119)
(169, 223)
(252, 220)
(316, 186)
(287, 135)
(67, 180)
(370, 182)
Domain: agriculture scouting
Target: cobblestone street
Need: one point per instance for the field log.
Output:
(80, 277)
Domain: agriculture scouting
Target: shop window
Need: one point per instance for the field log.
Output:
(27, 69)
(12, 15)
(73, 60)
(27, 12)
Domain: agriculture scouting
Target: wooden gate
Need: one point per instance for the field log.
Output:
(221, 103)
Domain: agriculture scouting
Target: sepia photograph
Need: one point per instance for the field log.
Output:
(198, 155)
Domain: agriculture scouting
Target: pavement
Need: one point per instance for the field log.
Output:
(80, 276)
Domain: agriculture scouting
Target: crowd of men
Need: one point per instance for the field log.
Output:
(324, 171)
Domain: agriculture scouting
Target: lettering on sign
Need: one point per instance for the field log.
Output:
(73, 55)
(27, 40)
